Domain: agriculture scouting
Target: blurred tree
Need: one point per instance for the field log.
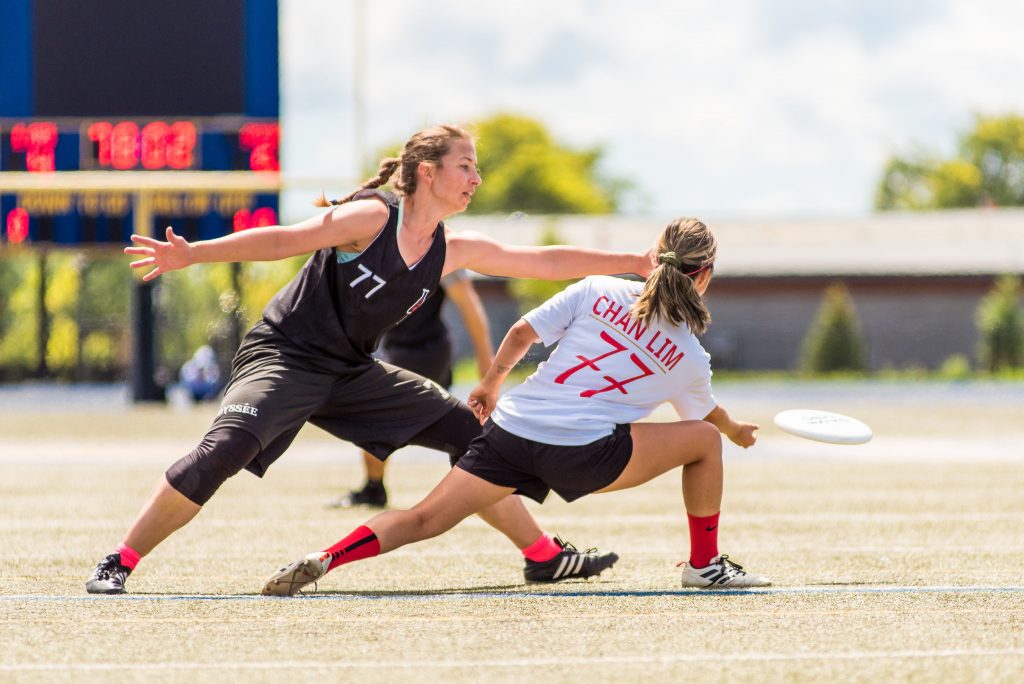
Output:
(19, 278)
(62, 292)
(525, 169)
(86, 302)
(834, 341)
(988, 170)
(104, 305)
(1001, 326)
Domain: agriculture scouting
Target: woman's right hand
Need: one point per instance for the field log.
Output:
(482, 401)
(163, 256)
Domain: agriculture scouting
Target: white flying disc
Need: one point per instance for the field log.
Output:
(823, 426)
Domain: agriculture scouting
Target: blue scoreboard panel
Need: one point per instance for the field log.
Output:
(122, 87)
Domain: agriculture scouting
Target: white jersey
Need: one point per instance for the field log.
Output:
(608, 368)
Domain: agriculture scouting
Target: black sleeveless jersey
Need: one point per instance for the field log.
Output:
(425, 327)
(333, 310)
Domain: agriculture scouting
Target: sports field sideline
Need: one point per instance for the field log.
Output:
(896, 561)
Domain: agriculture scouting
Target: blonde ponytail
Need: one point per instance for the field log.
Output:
(686, 248)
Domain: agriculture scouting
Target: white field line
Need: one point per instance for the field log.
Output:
(77, 524)
(463, 595)
(666, 659)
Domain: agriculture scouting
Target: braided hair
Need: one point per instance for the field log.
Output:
(428, 145)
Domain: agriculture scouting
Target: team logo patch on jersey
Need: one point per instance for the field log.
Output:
(419, 302)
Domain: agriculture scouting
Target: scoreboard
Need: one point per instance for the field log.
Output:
(109, 104)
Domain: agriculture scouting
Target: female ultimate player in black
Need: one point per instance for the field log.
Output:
(421, 344)
(623, 349)
(376, 259)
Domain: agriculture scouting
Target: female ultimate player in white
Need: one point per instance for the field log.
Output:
(623, 349)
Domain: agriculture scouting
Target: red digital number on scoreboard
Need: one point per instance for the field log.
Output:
(17, 225)
(38, 142)
(261, 141)
(157, 145)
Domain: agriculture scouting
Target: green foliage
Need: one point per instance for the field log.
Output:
(19, 284)
(86, 303)
(834, 342)
(88, 306)
(996, 148)
(531, 293)
(1001, 326)
(525, 169)
(956, 367)
(903, 185)
(987, 170)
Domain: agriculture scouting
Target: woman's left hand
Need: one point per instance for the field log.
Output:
(744, 436)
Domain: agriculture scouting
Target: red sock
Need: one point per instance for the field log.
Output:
(703, 539)
(361, 543)
(544, 549)
(129, 556)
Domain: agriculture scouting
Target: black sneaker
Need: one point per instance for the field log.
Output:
(569, 564)
(372, 494)
(108, 576)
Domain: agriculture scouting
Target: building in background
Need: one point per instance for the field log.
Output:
(916, 279)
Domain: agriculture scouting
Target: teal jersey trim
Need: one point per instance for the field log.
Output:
(345, 257)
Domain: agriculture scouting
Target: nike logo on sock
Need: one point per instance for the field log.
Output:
(712, 528)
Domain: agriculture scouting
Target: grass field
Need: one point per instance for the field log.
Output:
(896, 561)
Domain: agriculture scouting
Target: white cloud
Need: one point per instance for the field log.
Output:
(752, 107)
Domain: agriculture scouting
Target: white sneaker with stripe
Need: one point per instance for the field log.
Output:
(721, 573)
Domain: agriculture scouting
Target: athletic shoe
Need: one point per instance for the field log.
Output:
(569, 564)
(721, 573)
(372, 495)
(108, 576)
(290, 579)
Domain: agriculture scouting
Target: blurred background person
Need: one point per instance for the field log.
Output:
(200, 375)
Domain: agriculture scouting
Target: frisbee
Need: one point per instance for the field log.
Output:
(823, 426)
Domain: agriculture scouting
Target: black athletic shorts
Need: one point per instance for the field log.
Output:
(534, 468)
(374, 405)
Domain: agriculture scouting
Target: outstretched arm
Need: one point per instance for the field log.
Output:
(472, 310)
(741, 433)
(349, 223)
(557, 262)
(513, 348)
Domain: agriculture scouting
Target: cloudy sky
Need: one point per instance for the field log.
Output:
(737, 109)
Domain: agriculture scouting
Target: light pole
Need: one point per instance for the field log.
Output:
(359, 87)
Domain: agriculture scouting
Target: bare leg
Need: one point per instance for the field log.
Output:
(510, 517)
(456, 497)
(374, 467)
(660, 447)
(165, 511)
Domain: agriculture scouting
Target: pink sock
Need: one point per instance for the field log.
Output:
(361, 543)
(129, 556)
(544, 549)
(703, 539)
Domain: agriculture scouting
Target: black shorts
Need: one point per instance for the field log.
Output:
(534, 468)
(377, 406)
